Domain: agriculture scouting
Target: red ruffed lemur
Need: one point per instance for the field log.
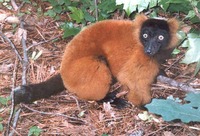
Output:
(128, 51)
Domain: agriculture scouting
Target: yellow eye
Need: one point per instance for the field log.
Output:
(145, 36)
(161, 37)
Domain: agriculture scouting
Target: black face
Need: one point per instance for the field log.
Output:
(154, 35)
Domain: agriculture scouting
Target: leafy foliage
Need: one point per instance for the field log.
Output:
(184, 6)
(80, 12)
(132, 5)
(171, 110)
(70, 30)
(1, 125)
(77, 14)
(193, 54)
(6, 4)
(34, 131)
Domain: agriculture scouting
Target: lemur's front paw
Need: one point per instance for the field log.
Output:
(111, 97)
(21, 94)
(139, 99)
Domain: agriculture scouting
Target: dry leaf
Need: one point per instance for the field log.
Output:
(168, 133)
(108, 109)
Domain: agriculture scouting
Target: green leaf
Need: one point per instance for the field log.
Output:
(58, 9)
(143, 4)
(4, 101)
(107, 6)
(177, 1)
(193, 99)
(129, 5)
(197, 68)
(163, 4)
(88, 17)
(50, 13)
(171, 110)
(61, 2)
(179, 6)
(34, 131)
(1, 127)
(53, 2)
(176, 51)
(153, 3)
(193, 54)
(27, 1)
(181, 35)
(191, 14)
(77, 14)
(69, 29)
(133, 5)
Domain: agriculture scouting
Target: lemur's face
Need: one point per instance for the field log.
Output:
(154, 35)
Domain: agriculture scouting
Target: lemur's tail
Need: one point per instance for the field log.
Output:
(32, 92)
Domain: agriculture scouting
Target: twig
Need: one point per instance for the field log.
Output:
(77, 103)
(14, 5)
(176, 84)
(14, 74)
(42, 42)
(177, 60)
(15, 121)
(196, 12)
(55, 114)
(40, 34)
(11, 44)
(11, 114)
(25, 59)
(96, 10)
(12, 100)
(24, 68)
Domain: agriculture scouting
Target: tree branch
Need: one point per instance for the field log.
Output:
(196, 12)
(11, 44)
(25, 56)
(14, 5)
(174, 83)
(55, 114)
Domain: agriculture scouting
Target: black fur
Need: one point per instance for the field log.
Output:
(152, 29)
(32, 92)
(119, 103)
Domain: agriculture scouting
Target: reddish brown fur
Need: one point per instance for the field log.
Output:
(118, 41)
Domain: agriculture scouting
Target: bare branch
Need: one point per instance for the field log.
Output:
(11, 44)
(15, 121)
(25, 56)
(14, 5)
(42, 42)
(12, 100)
(179, 85)
(196, 12)
(24, 68)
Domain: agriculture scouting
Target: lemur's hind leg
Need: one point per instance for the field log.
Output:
(88, 77)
